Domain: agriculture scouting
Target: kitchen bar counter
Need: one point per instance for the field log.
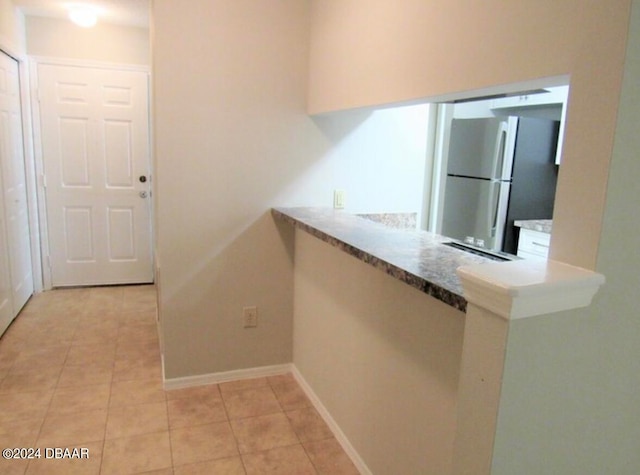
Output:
(417, 258)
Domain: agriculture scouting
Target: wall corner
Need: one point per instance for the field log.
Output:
(496, 294)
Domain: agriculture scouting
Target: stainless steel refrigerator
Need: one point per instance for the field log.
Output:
(499, 170)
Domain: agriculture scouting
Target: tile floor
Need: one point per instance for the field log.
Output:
(80, 368)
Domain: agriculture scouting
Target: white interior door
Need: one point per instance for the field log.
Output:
(95, 148)
(6, 306)
(16, 275)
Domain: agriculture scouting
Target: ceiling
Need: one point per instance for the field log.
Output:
(120, 12)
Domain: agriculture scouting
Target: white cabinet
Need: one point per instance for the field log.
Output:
(533, 244)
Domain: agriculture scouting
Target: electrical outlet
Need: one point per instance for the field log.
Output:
(250, 317)
(338, 199)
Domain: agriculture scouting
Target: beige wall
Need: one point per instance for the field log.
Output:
(232, 138)
(572, 380)
(50, 37)
(11, 28)
(382, 357)
(376, 52)
(231, 135)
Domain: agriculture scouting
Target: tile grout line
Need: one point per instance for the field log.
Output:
(44, 418)
(104, 438)
(235, 437)
(53, 391)
(286, 399)
(166, 408)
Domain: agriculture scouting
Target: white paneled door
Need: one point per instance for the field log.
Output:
(95, 147)
(16, 275)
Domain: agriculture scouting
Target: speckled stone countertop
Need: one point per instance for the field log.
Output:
(417, 258)
(542, 225)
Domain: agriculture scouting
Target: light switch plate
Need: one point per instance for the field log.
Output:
(250, 317)
(338, 199)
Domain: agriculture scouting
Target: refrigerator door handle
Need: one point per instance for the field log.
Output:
(500, 196)
(494, 206)
(496, 213)
(499, 150)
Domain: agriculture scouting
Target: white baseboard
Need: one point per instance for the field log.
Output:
(214, 378)
(263, 371)
(333, 425)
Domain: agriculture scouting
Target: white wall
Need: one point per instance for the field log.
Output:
(570, 401)
(572, 380)
(231, 133)
(377, 157)
(381, 52)
(50, 37)
(12, 36)
(382, 356)
(233, 139)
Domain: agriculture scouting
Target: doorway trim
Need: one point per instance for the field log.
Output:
(38, 160)
(29, 160)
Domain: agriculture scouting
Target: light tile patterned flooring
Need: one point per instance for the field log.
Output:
(80, 368)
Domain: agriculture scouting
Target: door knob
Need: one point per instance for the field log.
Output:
(143, 194)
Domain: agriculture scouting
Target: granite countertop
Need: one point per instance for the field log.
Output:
(542, 225)
(417, 258)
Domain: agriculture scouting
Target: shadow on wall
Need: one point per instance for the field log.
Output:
(225, 251)
(339, 125)
(414, 327)
(219, 248)
(206, 327)
(383, 358)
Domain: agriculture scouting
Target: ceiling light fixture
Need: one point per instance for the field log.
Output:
(83, 15)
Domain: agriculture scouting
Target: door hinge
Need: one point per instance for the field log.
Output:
(42, 180)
